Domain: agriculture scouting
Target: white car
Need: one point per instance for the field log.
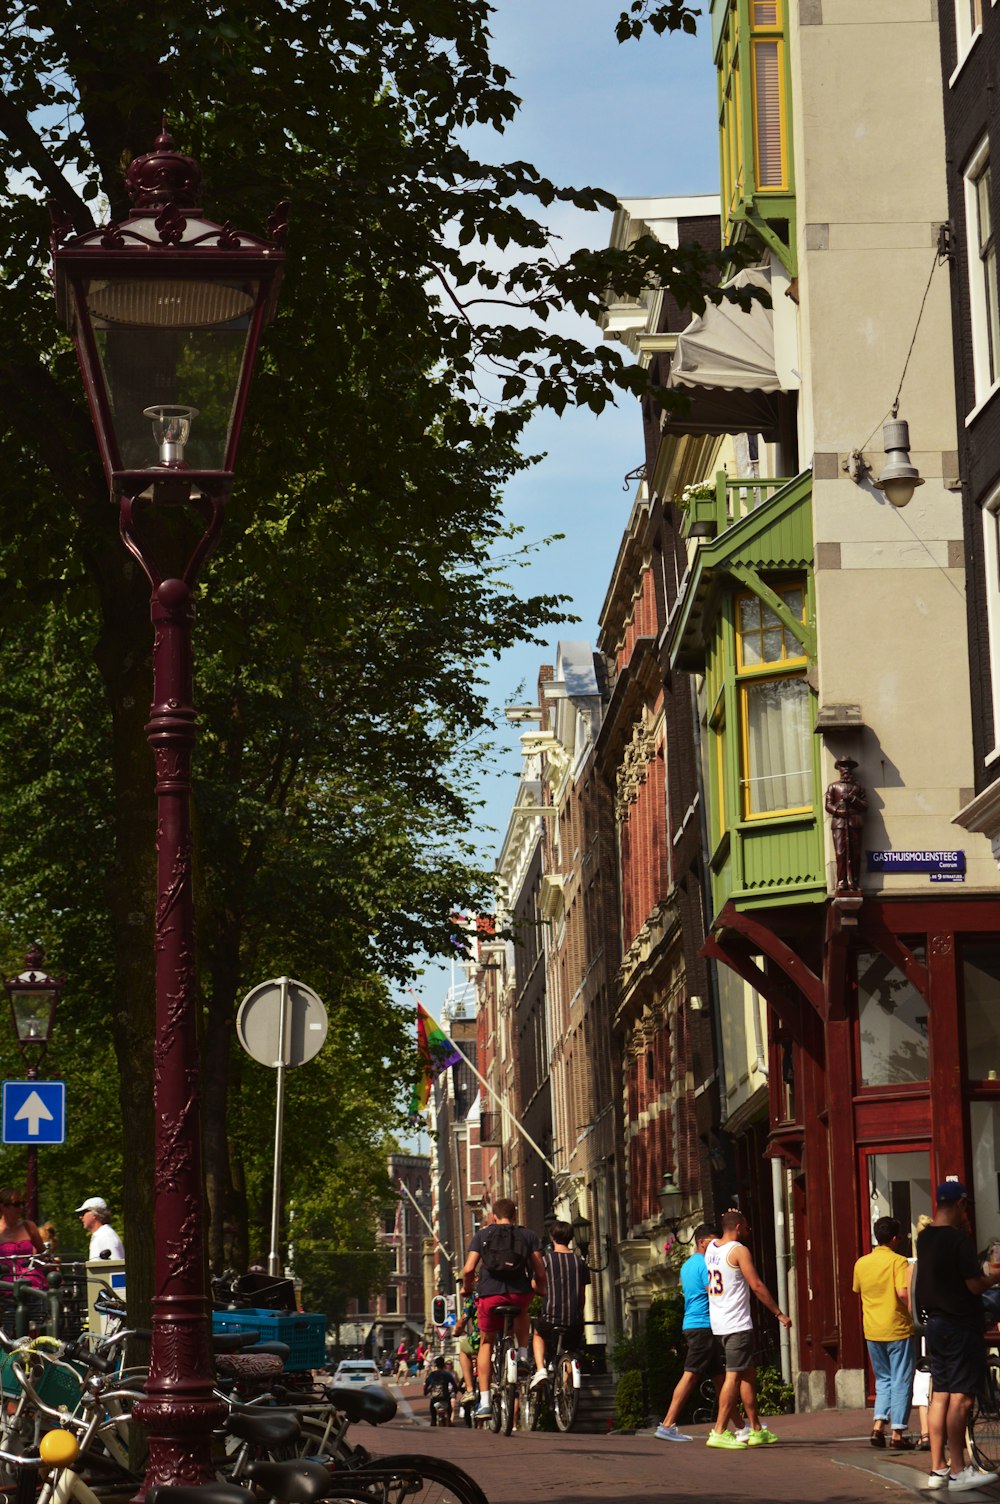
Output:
(357, 1371)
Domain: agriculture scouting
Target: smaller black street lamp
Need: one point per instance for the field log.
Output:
(582, 1235)
(33, 996)
(671, 1199)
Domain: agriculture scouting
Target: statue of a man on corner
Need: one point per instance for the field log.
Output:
(847, 804)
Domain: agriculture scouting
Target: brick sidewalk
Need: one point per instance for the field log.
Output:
(822, 1458)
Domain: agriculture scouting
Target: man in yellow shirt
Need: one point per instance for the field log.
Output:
(882, 1278)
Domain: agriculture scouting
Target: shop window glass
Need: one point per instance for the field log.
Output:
(899, 1185)
(892, 1022)
(984, 1122)
(981, 993)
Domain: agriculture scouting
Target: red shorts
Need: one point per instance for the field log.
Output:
(491, 1325)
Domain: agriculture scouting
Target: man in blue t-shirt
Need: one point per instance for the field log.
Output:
(704, 1356)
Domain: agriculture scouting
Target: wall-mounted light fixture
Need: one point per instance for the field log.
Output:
(898, 479)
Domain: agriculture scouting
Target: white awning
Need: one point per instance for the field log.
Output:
(728, 347)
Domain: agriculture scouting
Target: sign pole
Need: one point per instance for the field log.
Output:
(281, 1024)
(273, 1261)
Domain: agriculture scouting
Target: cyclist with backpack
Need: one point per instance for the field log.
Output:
(442, 1386)
(509, 1261)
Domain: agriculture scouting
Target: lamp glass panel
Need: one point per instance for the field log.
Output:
(32, 1012)
(171, 343)
(899, 492)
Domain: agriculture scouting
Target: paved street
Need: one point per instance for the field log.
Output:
(822, 1457)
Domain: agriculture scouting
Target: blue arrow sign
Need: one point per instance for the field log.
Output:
(34, 1112)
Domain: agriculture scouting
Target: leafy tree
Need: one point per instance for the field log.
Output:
(357, 588)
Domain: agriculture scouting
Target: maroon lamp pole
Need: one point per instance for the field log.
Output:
(33, 996)
(166, 309)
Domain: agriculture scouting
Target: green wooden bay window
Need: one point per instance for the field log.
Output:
(751, 60)
(747, 624)
(776, 721)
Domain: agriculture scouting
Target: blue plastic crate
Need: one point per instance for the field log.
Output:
(304, 1333)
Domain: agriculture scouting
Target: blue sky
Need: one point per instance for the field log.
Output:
(638, 119)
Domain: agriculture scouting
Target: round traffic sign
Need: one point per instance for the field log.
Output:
(281, 1023)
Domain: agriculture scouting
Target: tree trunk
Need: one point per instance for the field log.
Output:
(216, 1049)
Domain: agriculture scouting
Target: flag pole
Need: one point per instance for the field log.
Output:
(504, 1109)
(420, 1213)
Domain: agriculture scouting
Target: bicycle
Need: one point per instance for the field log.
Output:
(561, 1390)
(705, 1413)
(305, 1480)
(983, 1431)
(504, 1388)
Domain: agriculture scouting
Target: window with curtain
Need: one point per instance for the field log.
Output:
(715, 769)
(776, 713)
(982, 259)
(729, 109)
(991, 555)
(968, 24)
(767, 50)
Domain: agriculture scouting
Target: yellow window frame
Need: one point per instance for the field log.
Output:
(759, 37)
(717, 727)
(787, 661)
(789, 666)
(748, 812)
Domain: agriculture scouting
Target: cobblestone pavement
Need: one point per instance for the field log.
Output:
(822, 1458)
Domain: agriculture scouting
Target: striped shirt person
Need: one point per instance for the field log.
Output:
(568, 1278)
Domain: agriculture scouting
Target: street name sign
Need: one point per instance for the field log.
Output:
(940, 866)
(34, 1112)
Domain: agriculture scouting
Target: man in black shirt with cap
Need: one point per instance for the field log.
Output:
(949, 1283)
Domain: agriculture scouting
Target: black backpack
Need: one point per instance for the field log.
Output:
(506, 1253)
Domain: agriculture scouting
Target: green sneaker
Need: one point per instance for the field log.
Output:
(727, 1441)
(761, 1438)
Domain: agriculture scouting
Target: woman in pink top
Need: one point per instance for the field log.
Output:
(19, 1240)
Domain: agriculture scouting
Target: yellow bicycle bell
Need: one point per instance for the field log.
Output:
(59, 1448)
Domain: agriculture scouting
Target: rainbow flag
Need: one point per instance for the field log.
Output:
(435, 1053)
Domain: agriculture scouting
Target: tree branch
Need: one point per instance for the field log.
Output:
(25, 139)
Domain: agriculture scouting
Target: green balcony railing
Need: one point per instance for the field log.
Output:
(710, 510)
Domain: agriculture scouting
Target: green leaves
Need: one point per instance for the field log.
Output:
(660, 15)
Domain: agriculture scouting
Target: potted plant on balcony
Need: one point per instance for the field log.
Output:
(699, 503)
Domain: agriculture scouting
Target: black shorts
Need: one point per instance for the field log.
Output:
(572, 1335)
(958, 1357)
(704, 1354)
(738, 1348)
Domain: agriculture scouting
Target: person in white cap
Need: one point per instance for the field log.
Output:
(104, 1241)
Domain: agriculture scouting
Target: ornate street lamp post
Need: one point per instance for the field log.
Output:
(166, 309)
(33, 996)
(583, 1232)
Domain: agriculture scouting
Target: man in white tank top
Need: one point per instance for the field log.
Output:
(731, 1278)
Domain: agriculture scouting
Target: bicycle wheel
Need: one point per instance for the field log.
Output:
(564, 1393)
(318, 1436)
(508, 1406)
(984, 1423)
(498, 1371)
(410, 1477)
(532, 1401)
